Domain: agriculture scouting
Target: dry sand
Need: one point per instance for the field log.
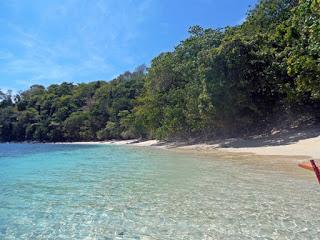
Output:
(307, 147)
(301, 144)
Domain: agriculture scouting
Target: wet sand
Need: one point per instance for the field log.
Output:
(278, 151)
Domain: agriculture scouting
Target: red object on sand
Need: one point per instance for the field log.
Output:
(316, 170)
(313, 167)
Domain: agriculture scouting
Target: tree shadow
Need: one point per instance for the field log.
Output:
(275, 138)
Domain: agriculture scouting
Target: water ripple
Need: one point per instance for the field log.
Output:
(112, 192)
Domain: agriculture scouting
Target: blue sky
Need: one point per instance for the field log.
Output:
(52, 41)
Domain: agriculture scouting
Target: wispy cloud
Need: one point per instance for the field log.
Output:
(69, 40)
(242, 20)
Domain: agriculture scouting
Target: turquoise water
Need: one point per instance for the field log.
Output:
(119, 192)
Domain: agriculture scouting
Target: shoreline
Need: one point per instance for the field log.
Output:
(303, 149)
(282, 158)
(295, 143)
(281, 152)
(262, 158)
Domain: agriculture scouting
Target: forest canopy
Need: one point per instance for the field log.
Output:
(216, 82)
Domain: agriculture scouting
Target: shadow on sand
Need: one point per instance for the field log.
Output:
(275, 138)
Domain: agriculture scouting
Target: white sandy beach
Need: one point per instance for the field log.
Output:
(295, 143)
(307, 147)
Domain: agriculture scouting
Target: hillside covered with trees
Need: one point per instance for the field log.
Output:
(216, 82)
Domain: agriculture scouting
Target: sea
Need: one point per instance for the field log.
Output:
(70, 191)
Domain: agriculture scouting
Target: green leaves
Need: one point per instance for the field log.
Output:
(302, 48)
(233, 80)
(215, 82)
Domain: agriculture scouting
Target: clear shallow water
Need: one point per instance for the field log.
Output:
(118, 192)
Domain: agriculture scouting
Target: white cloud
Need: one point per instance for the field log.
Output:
(71, 40)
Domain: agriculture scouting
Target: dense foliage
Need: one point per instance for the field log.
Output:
(68, 112)
(217, 81)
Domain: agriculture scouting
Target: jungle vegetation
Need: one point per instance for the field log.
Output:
(216, 82)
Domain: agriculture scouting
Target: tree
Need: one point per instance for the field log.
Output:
(228, 81)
